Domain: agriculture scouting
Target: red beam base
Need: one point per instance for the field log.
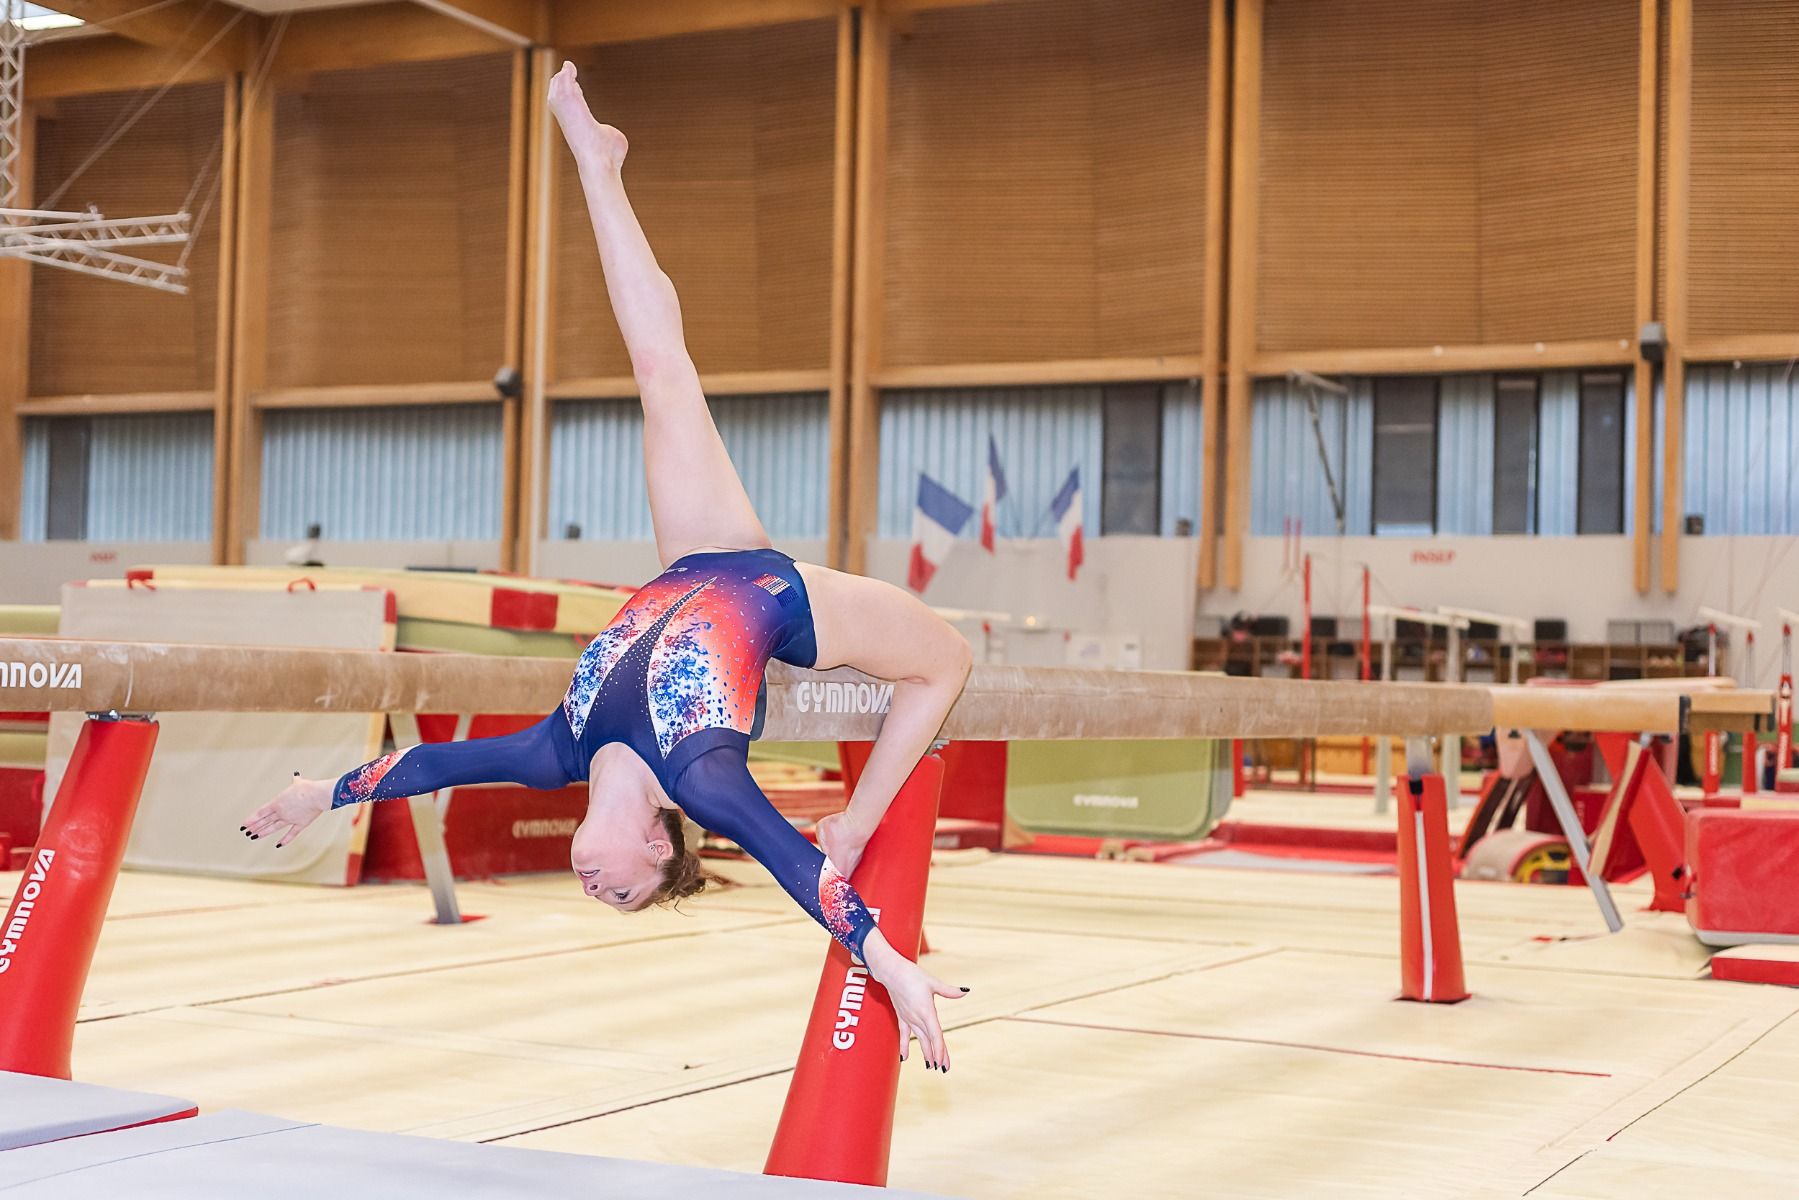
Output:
(1430, 941)
(48, 940)
(838, 1120)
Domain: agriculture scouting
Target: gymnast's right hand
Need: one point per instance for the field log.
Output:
(298, 805)
(914, 993)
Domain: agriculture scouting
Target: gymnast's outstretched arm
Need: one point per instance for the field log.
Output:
(537, 757)
(718, 791)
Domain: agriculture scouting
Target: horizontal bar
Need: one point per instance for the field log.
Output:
(1419, 616)
(1748, 347)
(1000, 703)
(1047, 372)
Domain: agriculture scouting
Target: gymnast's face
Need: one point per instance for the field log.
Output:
(621, 845)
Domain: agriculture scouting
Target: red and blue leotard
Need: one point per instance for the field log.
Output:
(676, 676)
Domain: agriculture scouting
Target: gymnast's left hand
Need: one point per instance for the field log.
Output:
(298, 805)
(914, 993)
(843, 839)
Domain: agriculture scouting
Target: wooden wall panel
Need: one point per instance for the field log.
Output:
(1446, 175)
(731, 173)
(1745, 164)
(1046, 183)
(102, 336)
(388, 244)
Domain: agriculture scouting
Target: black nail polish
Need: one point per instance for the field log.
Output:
(255, 838)
(965, 990)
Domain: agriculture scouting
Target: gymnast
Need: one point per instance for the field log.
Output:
(659, 714)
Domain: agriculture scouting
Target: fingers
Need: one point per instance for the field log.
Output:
(905, 1037)
(931, 1037)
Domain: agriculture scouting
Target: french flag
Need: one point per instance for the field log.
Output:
(936, 523)
(996, 491)
(1066, 508)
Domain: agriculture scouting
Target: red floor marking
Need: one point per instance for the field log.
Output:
(1215, 1037)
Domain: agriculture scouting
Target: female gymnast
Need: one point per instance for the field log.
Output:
(658, 716)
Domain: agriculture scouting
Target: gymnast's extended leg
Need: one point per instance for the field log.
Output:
(696, 499)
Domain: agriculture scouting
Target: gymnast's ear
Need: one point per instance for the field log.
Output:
(661, 849)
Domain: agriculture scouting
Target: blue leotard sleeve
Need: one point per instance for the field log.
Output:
(717, 791)
(535, 757)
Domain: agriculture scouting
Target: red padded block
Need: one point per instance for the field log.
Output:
(1777, 964)
(513, 609)
(1745, 875)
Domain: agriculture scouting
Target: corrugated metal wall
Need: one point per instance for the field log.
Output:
(1742, 448)
(780, 444)
(1041, 432)
(1184, 456)
(35, 481)
(1465, 455)
(1286, 478)
(430, 472)
(149, 478)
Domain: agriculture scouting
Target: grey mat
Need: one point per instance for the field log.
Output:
(35, 1110)
(236, 1154)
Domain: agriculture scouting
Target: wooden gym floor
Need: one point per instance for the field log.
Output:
(1133, 1029)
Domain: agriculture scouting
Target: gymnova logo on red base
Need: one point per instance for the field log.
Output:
(21, 913)
(40, 675)
(843, 697)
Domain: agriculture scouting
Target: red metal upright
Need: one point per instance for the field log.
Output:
(48, 940)
(1430, 941)
(837, 1123)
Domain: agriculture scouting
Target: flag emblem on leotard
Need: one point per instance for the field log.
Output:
(774, 585)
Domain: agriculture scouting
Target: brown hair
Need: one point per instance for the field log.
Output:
(683, 874)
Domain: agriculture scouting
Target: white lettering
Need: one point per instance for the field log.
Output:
(544, 827)
(1091, 801)
(846, 1020)
(840, 1040)
(802, 697)
(25, 906)
(38, 675)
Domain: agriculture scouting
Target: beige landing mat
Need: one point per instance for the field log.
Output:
(1133, 1030)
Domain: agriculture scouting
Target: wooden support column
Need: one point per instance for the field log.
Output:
(250, 306)
(15, 347)
(1674, 371)
(865, 275)
(532, 478)
(843, 168)
(226, 326)
(1648, 19)
(1246, 121)
(1212, 333)
(511, 407)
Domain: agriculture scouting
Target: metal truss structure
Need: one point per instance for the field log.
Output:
(75, 241)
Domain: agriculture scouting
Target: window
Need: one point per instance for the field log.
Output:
(1405, 455)
(66, 504)
(1601, 500)
(1515, 456)
(1131, 481)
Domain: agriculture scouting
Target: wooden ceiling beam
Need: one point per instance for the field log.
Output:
(516, 22)
(224, 36)
(335, 39)
(592, 22)
(106, 63)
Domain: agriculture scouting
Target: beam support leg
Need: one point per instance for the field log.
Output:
(47, 943)
(838, 1120)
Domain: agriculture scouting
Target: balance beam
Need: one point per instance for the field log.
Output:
(999, 704)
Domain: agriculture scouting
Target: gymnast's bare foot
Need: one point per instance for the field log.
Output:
(592, 142)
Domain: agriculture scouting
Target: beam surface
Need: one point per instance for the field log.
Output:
(1000, 703)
